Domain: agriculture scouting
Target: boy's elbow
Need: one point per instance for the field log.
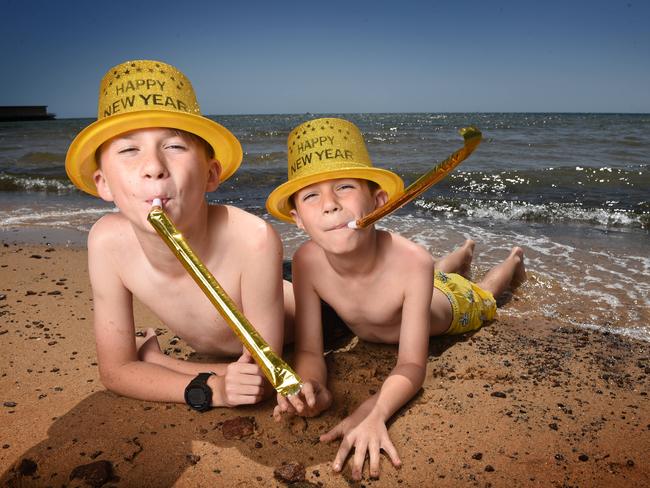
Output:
(109, 377)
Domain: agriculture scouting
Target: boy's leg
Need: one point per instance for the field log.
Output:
(441, 313)
(458, 261)
(507, 275)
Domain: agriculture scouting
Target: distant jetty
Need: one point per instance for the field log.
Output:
(24, 112)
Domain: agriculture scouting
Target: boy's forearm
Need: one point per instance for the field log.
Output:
(147, 381)
(400, 386)
(312, 367)
(187, 367)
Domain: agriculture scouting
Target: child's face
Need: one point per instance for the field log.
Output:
(324, 209)
(144, 164)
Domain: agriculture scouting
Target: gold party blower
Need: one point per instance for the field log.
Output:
(277, 371)
(472, 138)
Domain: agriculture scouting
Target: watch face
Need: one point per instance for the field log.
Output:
(196, 397)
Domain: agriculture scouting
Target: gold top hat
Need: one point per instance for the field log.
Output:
(141, 94)
(325, 149)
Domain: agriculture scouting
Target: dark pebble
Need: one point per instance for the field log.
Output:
(36, 256)
(559, 457)
(238, 428)
(30, 293)
(583, 457)
(27, 467)
(55, 292)
(6, 446)
(489, 468)
(258, 445)
(94, 474)
(630, 463)
(477, 455)
(498, 394)
(290, 472)
(193, 459)
(3, 296)
(10, 404)
(553, 426)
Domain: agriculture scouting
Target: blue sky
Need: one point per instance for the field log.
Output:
(338, 57)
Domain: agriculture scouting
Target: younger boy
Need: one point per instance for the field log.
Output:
(379, 283)
(150, 141)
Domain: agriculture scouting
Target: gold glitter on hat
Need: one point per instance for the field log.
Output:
(143, 94)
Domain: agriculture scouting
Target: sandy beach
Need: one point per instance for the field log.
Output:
(522, 402)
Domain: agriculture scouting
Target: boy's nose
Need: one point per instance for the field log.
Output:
(329, 203)
(154, 168)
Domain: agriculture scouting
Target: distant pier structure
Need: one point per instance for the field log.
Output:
(24, 112)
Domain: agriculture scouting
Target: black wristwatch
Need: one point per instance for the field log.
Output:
(198, 394)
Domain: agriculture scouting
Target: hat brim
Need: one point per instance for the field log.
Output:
(278, 203)
(80, 161)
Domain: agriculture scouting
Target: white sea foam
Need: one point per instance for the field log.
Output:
(77, 218)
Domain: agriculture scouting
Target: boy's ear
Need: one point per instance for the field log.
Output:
(381, 197)
(214, 175)
(297, 219)
(102, 186)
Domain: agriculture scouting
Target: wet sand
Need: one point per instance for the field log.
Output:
(525, 401)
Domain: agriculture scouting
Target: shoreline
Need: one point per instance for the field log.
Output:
(525, 401)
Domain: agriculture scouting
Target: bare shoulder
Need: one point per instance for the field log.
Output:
(108, 232)
(309, 254)
(411, 257)
(245, 232)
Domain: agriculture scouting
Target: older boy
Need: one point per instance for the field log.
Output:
(150, 141)
(379, 283)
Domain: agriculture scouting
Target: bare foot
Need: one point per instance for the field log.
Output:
(519, 275)
(147, 345)
(458, 261)
(467, 250)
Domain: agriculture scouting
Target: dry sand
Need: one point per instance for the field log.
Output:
(522, 402)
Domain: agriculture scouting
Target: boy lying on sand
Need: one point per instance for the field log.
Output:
(384, 287)
(150, 141)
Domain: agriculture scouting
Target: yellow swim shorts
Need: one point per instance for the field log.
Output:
(471, 305)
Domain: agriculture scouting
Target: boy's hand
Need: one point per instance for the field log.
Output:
(370, 435)
(310, 401)
(243, 383)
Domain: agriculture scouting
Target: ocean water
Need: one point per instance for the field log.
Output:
(572, 189)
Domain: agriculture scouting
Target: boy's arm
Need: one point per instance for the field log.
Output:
(261, 285)
(309, 361)
(365, 429)
(120, 368)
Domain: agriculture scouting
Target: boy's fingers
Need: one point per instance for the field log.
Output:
(282, 402)
(389, 448)
(373, 451)
(308, 393)
(334, 433)
(251, 370)
(296, 402)
(341, 455)
(277, 413)
(360, 450)
(245, 358)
